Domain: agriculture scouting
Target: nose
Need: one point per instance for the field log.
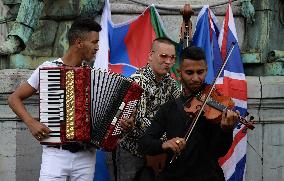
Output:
(195, 77)
(97, 47)
(168, 60)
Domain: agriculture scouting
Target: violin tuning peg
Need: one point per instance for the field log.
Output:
(247, 113)
(251, 118)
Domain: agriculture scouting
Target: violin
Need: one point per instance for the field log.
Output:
(214, 107)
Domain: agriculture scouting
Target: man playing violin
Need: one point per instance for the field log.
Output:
(197, 159)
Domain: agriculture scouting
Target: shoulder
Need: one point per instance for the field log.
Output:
(139, 76)
(51, 63)
(138, 73)
(169, 105)
(173, 86)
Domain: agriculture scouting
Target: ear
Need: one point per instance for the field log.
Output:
(150, 56)
(78, 43)
(178, 70)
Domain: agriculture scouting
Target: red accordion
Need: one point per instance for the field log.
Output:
(80, 104)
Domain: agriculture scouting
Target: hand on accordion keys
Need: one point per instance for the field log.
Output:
(128, 124)
(38, 130)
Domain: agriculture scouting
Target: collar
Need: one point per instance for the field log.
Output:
(188, 95)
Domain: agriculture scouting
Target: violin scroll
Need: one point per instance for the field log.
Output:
(186, 26)
(186, 12)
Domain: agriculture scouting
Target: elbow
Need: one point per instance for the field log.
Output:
(10, 100)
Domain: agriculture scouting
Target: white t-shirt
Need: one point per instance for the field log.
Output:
(34, 78)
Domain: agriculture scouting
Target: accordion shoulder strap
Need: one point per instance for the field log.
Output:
(58, 62)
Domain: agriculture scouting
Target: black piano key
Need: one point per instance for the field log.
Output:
(55, 135)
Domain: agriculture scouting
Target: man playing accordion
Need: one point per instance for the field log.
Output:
(74, 161)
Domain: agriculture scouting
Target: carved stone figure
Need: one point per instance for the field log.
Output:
(28, 16)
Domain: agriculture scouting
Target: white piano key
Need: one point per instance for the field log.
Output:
(49, 117)
(51, 140)
(51, 110)
(52, 101)
(50, 70)
(46, 74)
(55, 128)
(49, 88)
(45, 104)
(60, 91)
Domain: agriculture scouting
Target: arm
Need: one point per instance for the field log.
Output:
(15, 102)
(150, 142)
(141, 119)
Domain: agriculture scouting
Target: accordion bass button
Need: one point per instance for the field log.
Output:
(122, 105)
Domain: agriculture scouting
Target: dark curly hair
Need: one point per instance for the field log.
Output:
(193, 53)
(80, 27)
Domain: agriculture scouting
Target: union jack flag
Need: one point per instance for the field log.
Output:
(216, 42)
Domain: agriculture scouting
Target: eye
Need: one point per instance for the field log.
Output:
(189, 72)
(163, 55)
(200, 72)
(95, 42)
(166, 56)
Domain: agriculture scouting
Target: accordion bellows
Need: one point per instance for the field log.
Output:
(80, 104)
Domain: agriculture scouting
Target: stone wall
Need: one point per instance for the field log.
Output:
(265, 158)
(3, 30)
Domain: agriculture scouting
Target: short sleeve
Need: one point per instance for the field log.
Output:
(34, 79)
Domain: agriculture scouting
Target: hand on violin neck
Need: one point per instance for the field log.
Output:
(229, 119)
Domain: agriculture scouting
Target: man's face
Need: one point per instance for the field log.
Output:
(162, 58)
(192, 74)
(90, 45)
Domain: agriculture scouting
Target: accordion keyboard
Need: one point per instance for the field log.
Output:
(51, 103)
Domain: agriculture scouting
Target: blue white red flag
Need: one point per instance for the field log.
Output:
(201, 38)
(233, 84)
(126, 45)
(216, 43)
